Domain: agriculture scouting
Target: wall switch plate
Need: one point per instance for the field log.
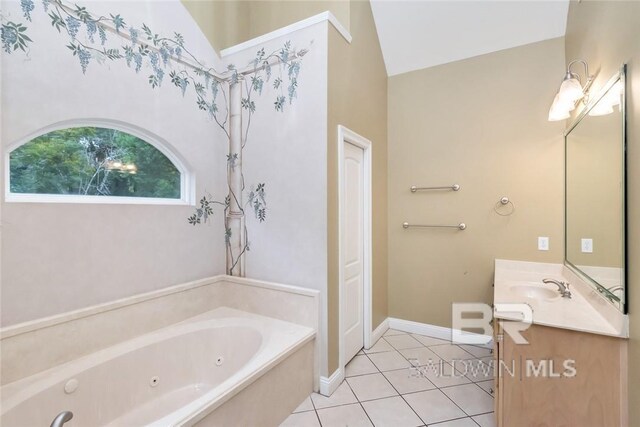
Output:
(543, 243)
(586, 246)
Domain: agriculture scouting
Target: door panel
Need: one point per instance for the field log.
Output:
(353, 220)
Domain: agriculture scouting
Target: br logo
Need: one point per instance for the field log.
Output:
(471, 322)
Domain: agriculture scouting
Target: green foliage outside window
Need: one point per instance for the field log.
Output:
(92, 161)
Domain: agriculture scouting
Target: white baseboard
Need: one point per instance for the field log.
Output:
(429, 330)
(378, 332)
(420, 328)
(329, 385)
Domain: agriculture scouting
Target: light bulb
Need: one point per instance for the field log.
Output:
(559, 110)
(570, 90)
(614, 96)
(605, 105)
(601, 109)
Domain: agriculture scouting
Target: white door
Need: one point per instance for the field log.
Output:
(353, 250)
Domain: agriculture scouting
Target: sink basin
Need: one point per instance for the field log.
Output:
(535, 292)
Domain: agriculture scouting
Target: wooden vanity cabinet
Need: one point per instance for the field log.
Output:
(534, 387)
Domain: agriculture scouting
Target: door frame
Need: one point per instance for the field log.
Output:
(347, 136)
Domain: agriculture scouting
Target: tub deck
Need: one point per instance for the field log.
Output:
(200, 364)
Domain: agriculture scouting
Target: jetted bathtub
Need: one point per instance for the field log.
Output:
(171, 377)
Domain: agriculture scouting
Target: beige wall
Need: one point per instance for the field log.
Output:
(358, 100)
(481, 123)
(606, 35)
(229, 22)
(224, 23)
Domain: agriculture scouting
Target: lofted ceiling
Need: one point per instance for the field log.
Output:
(416, 34)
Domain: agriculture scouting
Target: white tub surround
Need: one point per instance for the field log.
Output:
(173, 376)
(585, 311)
(270, 399)
(71, 335)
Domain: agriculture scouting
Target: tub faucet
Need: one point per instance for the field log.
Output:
(61, 418)
(563, 287)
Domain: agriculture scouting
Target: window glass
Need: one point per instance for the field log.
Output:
(92, 161)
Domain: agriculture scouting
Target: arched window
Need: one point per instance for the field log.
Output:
(94, 164)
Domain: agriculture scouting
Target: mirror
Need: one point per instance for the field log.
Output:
(595, 192)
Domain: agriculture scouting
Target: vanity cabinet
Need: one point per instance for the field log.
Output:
(562, 378)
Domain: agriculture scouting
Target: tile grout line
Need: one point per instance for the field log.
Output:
(471, 418)
(379, 371)
(469, 415)
(465, 375)
(359, 403)
(452, 419)
(400, 394)
(477, 423)
(315, 410)
(342, 404)
(388, 397)
(438, 388)
(453, 369)
(485, 390)
(484, 413)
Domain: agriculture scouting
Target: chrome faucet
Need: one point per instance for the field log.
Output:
(563, 287)
(609, 292)
(61, 418)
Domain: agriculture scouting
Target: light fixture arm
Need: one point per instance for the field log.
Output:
(588, 76)
(571, 92)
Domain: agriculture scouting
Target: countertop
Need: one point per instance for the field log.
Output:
(586, 310)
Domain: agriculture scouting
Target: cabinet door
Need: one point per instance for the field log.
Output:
(541, 390)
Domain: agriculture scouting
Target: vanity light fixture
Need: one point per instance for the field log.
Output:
(570, 93)
(610, 100)
(601, 109)
(560, 110)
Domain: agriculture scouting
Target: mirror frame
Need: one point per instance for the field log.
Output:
(619, 76)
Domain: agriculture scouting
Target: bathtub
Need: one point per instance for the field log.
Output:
(174, 376)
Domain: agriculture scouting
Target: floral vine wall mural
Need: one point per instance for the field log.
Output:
(227, 97)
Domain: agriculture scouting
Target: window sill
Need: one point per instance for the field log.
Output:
(80, 199)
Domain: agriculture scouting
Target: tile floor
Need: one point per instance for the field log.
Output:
(407, 380)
